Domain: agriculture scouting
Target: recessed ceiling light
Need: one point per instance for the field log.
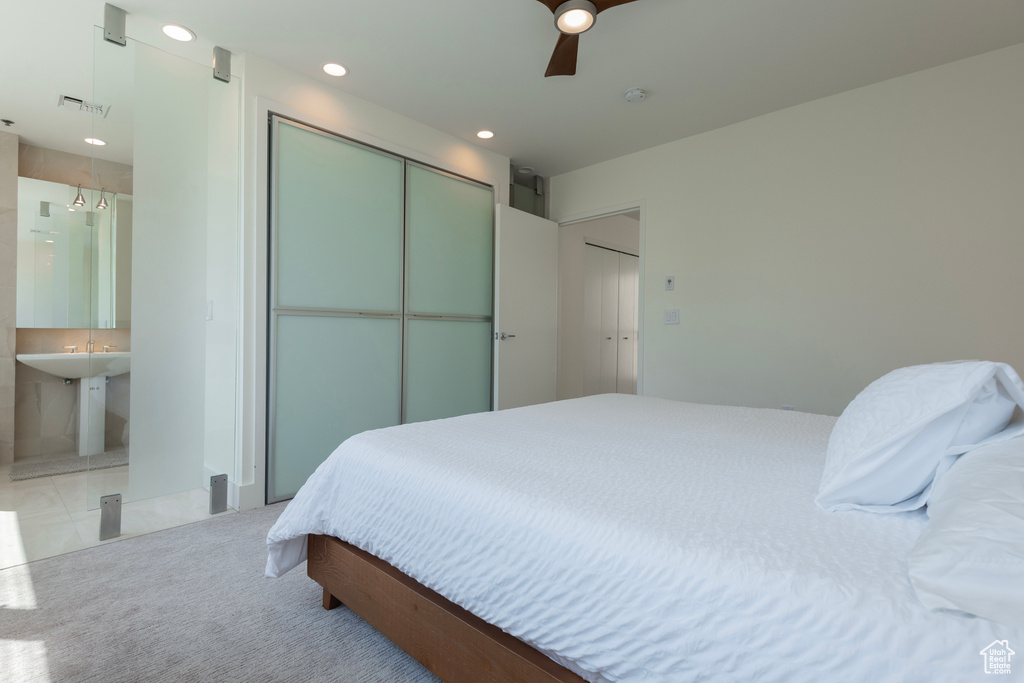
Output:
(95, 141)
(485, 135)
(332, 69)
(525, 169)
(178, 33)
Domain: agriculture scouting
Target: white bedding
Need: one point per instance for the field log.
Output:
(633, 539)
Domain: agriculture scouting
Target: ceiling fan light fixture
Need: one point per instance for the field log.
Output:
(575, 16)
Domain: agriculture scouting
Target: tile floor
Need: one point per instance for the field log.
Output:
(49, 516)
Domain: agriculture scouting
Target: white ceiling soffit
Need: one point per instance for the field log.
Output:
(464, 65)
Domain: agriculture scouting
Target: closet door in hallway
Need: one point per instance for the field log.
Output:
(610, 321)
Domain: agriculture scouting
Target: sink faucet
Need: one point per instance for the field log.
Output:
(74, 349)
(89, 347)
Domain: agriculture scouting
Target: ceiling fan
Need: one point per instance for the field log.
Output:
(573, 17)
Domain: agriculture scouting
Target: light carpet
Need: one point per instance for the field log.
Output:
(51, 468)
(186, 604)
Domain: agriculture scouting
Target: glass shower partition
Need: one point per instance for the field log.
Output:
(166, 279)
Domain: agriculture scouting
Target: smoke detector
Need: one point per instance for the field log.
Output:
(635, 94)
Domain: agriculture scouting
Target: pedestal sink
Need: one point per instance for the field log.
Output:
(91, 371)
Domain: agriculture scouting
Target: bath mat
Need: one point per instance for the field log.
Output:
(51, 468)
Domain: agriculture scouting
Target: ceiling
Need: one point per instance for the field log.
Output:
(465, 65)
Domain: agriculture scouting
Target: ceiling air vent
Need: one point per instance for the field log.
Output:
(68, 102)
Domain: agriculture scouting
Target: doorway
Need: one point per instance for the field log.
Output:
(599, 306)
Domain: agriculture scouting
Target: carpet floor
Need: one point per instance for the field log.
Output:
(186, 604)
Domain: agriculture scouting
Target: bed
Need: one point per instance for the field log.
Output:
(623, 538)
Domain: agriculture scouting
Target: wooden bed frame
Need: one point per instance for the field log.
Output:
(456, 645)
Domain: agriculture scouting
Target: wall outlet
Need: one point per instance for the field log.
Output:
(670, 283)
(671, 316)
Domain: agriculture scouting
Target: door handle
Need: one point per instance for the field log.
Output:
(506, 335)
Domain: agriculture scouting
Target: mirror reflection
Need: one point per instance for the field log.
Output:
(74, 257)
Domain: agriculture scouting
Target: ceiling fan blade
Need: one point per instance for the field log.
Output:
(551, 4)
(602, 5)
(563, 59)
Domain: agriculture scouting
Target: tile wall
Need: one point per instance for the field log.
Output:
(8, 284)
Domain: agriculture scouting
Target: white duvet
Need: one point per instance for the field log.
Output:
(639, 539)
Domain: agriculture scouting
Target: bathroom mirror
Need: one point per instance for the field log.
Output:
(74, 262)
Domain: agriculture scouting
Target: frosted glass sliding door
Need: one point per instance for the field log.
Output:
(336, 376)
(450, 228)
(381, 297)
(451, 243)
(336, 304)
(448, 368)
(339, 214)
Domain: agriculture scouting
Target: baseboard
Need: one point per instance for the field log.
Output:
(246, 497)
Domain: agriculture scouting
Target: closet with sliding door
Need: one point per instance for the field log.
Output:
(380, 296)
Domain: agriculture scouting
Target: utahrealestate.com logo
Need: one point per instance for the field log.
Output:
(997, 657)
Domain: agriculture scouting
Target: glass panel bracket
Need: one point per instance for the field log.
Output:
(218, 493)
(110, 516)
(222, 64)
(113, 26)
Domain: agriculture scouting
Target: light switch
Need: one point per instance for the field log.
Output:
(670, 283)
(209, 310)
(672, 316)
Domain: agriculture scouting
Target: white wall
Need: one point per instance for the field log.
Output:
(269, 87)
(821, 246)
(620, 232)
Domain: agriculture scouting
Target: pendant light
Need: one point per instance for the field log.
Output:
(103, 202)
(79, 200)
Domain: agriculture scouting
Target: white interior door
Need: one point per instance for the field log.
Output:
(609, 321)
(600, 320)
(526, 358)
(626, 346)
(593, 277)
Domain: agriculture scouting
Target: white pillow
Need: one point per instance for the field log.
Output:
(970, 557)
(908, 427)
